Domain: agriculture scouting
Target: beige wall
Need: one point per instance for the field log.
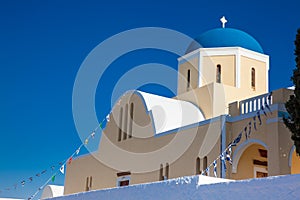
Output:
(193, 66)
(209, 69)
(142, 156)
(260, 74)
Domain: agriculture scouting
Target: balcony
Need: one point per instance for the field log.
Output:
(253, 104)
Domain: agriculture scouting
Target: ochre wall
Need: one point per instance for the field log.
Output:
(208, 69)
(193, 66)
(295, 168)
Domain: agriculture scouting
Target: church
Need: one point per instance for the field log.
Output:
(223, 122)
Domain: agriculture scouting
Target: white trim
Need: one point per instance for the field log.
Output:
(259, 169)
(227, 51)
(240, 150)
(267, 74)
(291, 155)
(189, 55)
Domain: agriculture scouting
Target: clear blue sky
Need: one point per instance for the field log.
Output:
(43, 43)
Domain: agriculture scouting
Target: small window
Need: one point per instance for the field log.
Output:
(188, 78)
(204, 163)
(161, 172)
(125, 122)
(167, 172)
(131, 120)
(198, 166)
(88, 184)
(120, 125)
(218, 74)
(253, 78)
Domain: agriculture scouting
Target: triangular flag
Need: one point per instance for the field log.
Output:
(246, 133)
(237, 139)
(258, 117)
(93, 134)
(62, 169)
(107, 119)
(249, 132)
(70, 160)
(215, 168)
(30, 178)
(268, 107)
(23, 183)
(53, 178)
(86, 141)
(77, 151)
(43, 172)
(254, 122)
(262, 108)
(207, 171)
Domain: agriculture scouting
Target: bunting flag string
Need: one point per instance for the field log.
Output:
(246, 133)
(268, 107)
(60, 167)
(215, 168)
(262, 108)
(247, 130)
(258, 117)
(69, 160)
(254, 122)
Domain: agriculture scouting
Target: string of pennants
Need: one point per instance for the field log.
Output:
(225, 156)
(55, 169)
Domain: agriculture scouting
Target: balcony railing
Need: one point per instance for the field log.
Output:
(255, 103)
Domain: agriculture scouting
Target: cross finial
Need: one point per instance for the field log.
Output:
(224, 21)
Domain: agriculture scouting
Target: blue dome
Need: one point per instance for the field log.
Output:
(225, 37)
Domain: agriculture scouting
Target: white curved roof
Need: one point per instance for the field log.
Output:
(52, 191)
(169, 114)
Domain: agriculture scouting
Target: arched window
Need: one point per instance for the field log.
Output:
(89, 184)
(253, 78)
(120, 125)
(167, 171)
(161, 172)
(198, 165)
(131, 120)
(125, 122)
(218, 74)
(205, 163)
(188, 78)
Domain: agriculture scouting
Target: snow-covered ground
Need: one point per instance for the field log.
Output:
(199, 187)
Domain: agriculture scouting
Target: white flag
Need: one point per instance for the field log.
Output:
(62, 169)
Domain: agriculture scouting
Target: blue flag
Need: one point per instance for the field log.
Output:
(215, 168)
(254, 122)
(258, 117)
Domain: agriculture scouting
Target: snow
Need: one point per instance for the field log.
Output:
(199, 187)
